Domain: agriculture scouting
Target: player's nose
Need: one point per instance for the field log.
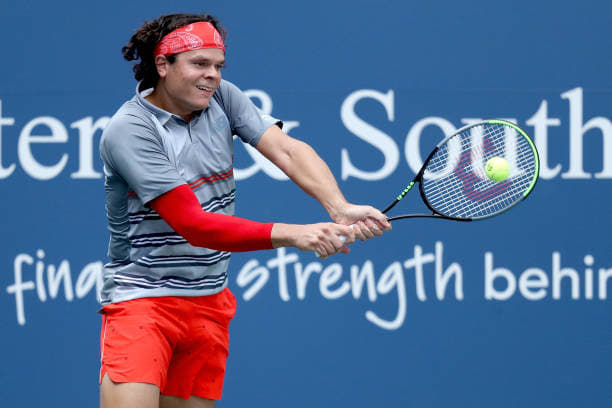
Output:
(212, 73)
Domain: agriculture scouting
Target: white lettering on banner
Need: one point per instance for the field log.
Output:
(19, 286)
(29, 163)
(331, 284)
(577, 131)
(363, 130)
(5, 172)
(533, 282)
(540, 121)
(87, 128)
(391, 278)
(252, 272)
(337, 280)
(57, 134)
(89, 278)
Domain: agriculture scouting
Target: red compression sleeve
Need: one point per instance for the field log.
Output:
(181, 209)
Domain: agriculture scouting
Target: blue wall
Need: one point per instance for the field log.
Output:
(523, 318)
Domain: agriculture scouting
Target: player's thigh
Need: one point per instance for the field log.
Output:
(167, 401)
(128, 395)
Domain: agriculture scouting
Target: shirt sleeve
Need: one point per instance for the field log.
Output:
(131, 149)
(181, 209)
(247, 121)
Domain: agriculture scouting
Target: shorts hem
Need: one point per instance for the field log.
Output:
(118, 379)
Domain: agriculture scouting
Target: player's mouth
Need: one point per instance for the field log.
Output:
(206, 89)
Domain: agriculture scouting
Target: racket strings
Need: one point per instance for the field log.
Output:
(455, 182)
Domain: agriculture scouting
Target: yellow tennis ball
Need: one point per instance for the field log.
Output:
(497, 169)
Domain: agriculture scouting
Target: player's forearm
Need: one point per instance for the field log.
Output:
(306, 169)
(324, 238)
(182, 211)
(227, 233)
(283, 235)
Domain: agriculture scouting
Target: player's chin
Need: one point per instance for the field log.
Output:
(201, 103)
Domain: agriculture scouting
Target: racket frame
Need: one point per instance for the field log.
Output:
(419, 176)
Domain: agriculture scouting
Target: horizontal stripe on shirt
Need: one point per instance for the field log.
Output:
(152, 261)
(198, 181)
(156, 239)
(173, 282)
(212, 205)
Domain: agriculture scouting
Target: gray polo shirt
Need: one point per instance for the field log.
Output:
(147, 152)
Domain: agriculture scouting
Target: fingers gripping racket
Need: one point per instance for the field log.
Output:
(478, 172)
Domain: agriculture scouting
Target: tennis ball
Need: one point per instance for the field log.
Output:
(497, 169)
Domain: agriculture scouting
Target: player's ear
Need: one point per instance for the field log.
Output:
(161, 64)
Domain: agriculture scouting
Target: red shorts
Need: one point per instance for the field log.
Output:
(179, 344)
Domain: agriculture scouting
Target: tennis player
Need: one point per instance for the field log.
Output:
(168, 163)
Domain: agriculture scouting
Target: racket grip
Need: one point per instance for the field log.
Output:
(342, 238)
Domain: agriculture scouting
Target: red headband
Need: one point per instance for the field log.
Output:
(190, 37)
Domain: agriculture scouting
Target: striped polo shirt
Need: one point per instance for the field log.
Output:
(147, 152)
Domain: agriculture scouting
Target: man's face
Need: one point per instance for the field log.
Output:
(192, 79)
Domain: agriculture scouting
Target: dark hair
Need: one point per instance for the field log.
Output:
(144, 40)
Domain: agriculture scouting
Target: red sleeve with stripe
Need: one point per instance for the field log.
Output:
(181, 209)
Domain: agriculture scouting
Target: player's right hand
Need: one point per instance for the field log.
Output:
(323, 238)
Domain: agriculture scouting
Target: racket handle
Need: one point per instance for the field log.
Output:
(342, 238)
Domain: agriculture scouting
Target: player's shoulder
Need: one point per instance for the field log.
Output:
(131, 113)
(230, 97)
(130, 119)
(227, 86)
(226, 90)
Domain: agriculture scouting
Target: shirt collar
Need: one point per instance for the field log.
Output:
(162, 116)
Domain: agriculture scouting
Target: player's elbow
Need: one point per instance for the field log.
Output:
(293, 155)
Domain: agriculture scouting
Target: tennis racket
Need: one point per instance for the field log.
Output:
(454, 181)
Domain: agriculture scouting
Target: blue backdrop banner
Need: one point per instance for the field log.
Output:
(511, 311)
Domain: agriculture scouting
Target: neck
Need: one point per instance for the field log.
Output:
(160, 99)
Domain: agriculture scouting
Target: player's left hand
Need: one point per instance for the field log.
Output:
(367, 221)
